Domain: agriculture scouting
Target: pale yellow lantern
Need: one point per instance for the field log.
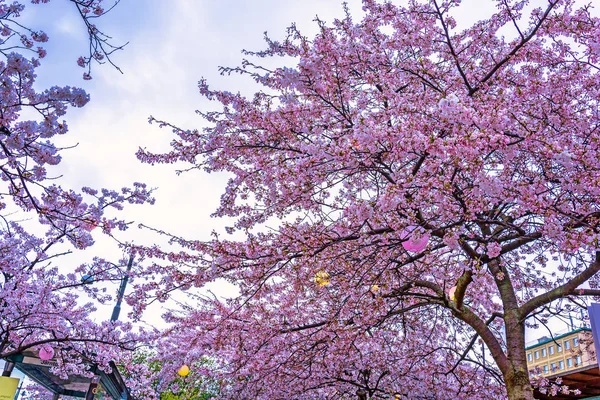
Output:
(183, 371)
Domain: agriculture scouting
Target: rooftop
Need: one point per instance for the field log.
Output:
(542, 341)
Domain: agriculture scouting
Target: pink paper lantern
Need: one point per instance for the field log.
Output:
(415, 239)
(46, 353)
(452, 292)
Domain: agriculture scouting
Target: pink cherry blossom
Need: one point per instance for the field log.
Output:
(493, 249)
(484, 136)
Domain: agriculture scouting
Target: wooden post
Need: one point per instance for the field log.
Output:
(93, 389)
(8, 368)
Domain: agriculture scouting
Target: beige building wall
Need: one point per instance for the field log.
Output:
(562, 353)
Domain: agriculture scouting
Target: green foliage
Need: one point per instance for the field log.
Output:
(191, 387)
(195, 394)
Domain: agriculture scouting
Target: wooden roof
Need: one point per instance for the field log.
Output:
(586, 379)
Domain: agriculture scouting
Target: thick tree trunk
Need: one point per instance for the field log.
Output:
(518, 385)
(516, 377)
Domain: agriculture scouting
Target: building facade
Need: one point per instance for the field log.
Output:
(557, 355)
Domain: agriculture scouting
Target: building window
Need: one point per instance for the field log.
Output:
(578, 360)
(558, 348)
(551, 349)
(544, 352)
(537, 354)
(569, 362)
(546, 368)
(567, 344)
(529, 358)
(553, 367)
(561, 364)
(575, 342)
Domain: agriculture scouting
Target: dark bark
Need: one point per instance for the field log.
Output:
(518, 385)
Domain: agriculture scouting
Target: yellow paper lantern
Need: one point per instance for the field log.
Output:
(322, 278)
(183, 371)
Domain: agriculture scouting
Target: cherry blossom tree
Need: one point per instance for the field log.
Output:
(43, 301)
(409, 191)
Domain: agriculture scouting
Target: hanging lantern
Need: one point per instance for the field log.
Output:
(414, 238)
(89, 224)
(183, 371)
(451, 293)
(46, 353)
(322, 278)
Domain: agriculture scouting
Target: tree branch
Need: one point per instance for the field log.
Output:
(482, 329)
(564, 290)
(461, 287)
(523, 42)
(474, 338)
(451, 48)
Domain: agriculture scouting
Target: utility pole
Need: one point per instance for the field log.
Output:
(117, 308)
(121, 292)
(93, 388)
